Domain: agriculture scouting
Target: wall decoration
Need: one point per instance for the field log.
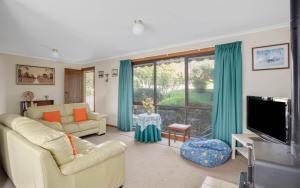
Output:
(100, 74)
(106, 75)
(270, 57)
(28, 96)
(33, 75)
(114, 72)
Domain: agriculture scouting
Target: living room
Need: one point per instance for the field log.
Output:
(140, 105)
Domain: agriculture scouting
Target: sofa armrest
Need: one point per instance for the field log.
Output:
(98, 155)
(96, 116)
(53, 125)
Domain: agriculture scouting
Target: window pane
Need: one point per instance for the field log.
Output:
(143, 82)
(200, 80)
(170, 82)
(170, 116)
(200, 119)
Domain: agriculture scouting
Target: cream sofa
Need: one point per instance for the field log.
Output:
(36, 156)
(96, 123)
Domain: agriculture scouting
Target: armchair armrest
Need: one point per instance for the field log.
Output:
(53, 125)
(96, 116)
(99, 154)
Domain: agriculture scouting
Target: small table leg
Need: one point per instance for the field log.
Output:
(233, 145)
(184, 134)
(169, 137)
(174, 136)
(189, 133)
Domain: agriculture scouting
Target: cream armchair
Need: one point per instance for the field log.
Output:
(96, 122)
(34, 155)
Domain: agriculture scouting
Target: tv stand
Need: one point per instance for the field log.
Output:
(243, 139)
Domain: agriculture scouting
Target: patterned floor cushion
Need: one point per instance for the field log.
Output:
(207, 153)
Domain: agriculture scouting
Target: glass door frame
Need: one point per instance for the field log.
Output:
(186, 107)
(84, 70)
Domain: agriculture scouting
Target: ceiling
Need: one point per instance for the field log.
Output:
(85, 31)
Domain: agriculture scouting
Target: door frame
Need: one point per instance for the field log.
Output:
(89, 69)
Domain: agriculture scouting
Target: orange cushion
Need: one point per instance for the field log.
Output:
(80, 114)
(74, 150)
(52, 116)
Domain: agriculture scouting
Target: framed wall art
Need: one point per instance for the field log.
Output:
(34, 75)
(270, 57)
(114, 72)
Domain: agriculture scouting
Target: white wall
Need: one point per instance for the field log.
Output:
(12, 92)
(264, 83)
(2, 87)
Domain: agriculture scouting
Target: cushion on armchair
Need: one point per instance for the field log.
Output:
(96, 155)
(207, 153)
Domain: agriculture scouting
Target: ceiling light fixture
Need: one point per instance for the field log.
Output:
(55, 53)
(138, 27)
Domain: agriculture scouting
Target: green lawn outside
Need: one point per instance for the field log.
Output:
(177, 98)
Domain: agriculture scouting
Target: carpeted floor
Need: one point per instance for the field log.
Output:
(160, 166)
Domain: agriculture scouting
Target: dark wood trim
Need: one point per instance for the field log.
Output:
(110, 125)
(210, 50)
(88, 68)
(288, 46)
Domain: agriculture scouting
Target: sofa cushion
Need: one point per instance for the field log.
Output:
(54, 141)
(80, 114)
(61, 149)
(99, 154)
(70, 138)
(67, 119)
(69, 107)
(37, 112)
(11, 120)
(53, 125)
(89, 124)
(52, 116)
(82, 146)
(70, 127)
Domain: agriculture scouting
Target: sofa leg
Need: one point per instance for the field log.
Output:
(121, 186)
(100, 134)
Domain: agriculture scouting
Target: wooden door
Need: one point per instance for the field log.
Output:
(73, 86)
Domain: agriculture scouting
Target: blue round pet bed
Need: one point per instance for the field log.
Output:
(207, 153)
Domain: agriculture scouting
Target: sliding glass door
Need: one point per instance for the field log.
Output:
(181, 89)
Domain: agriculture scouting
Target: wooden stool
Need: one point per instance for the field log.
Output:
(180, 128)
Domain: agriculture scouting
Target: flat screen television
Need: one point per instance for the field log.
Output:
(269, 117)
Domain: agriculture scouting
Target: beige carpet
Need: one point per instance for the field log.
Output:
(160, 166)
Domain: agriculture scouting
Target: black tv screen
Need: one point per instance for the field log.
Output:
(267, 117)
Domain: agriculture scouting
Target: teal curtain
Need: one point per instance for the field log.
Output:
(125, 96)
(227, 99)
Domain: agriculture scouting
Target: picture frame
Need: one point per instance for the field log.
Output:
(114, 72)
(34, 75)
(100, 74)
(271, 57)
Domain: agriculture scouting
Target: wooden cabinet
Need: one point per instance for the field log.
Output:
(24, 105)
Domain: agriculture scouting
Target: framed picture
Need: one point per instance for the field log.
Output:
(270, 57)
(114, 72)
(100, 74)
(33, 75)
